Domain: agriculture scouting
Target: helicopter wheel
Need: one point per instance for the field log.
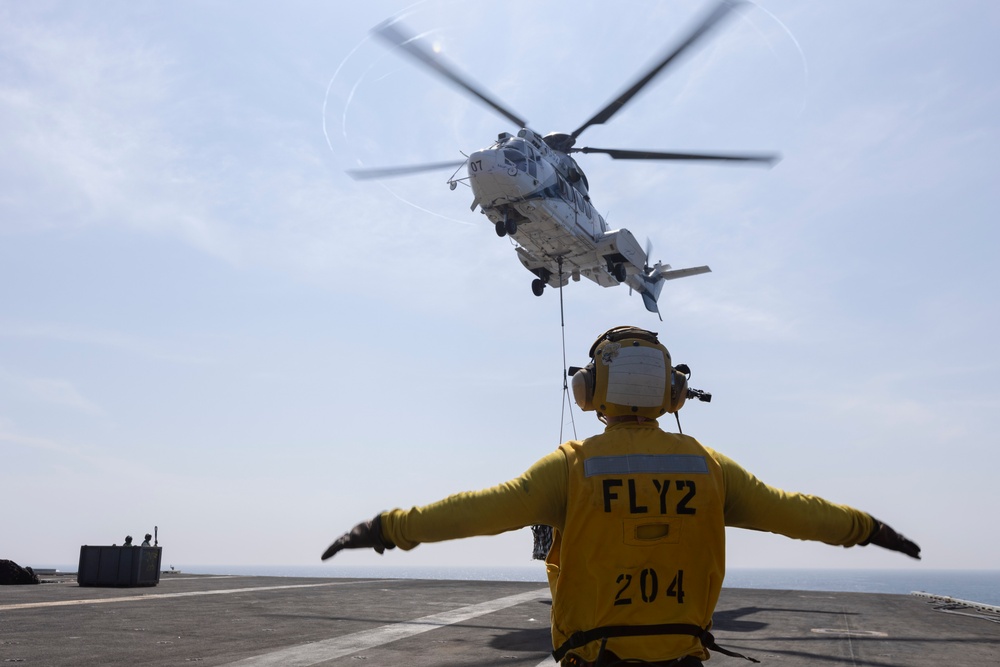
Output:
(537, 286)
(620, 273)
(510, 226)
(501, 228)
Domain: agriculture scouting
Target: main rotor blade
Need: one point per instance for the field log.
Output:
(391, 172)
(392, 33)
(706, 24)
(619, 154)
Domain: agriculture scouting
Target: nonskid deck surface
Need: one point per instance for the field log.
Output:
(256, 621)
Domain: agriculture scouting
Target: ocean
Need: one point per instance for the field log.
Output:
(981, 586)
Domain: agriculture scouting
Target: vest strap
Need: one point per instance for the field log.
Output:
(583, 637)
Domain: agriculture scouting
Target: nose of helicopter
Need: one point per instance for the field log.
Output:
(494, 176)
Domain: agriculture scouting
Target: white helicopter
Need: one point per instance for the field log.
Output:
(533, 191)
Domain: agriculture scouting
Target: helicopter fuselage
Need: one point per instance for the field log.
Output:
(539, 197)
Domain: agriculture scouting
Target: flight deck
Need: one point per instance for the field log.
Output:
(256, 621)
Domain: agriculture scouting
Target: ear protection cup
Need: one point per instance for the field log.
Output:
(678, 390)
(583, 388)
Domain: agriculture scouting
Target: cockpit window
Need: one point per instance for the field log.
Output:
(516, 158)
(520, 155)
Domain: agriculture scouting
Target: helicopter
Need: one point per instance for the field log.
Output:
(533, 191)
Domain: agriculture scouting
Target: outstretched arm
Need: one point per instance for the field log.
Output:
(537, 496)
(750, 503)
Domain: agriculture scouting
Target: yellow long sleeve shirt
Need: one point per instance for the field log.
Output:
(632, 506)
(539, 497)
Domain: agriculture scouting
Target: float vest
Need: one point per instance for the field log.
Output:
(640, 561)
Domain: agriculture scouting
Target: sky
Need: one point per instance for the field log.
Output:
(207, 327)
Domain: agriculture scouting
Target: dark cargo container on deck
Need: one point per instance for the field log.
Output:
(119, 566)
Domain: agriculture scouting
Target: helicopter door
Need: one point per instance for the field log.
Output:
(592, 218)
(581, 208)
(567, 194)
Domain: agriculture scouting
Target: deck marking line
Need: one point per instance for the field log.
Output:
(313, 653)
(136, 598)
(850, 642)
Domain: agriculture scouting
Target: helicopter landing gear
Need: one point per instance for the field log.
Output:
(538, 284)
(619, 273)
(506, 226)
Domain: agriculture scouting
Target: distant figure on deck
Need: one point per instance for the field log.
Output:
(128, 541)
(638, 515)
(145, 542)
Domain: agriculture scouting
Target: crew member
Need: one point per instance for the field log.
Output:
(639, 516)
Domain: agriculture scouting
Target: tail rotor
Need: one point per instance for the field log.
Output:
(652, 282)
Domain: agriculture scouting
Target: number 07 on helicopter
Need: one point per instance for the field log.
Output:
(533, 191)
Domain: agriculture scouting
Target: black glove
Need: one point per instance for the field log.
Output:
(365, 535)
(884, 536)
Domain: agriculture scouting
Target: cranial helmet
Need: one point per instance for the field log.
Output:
(629, 374)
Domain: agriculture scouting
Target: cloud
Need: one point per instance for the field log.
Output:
(32, 442)
(114, 340)
(77, 111)
(62, 393)
(58, 392)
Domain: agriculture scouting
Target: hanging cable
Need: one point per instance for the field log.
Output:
(565, 371)
(541, 534)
